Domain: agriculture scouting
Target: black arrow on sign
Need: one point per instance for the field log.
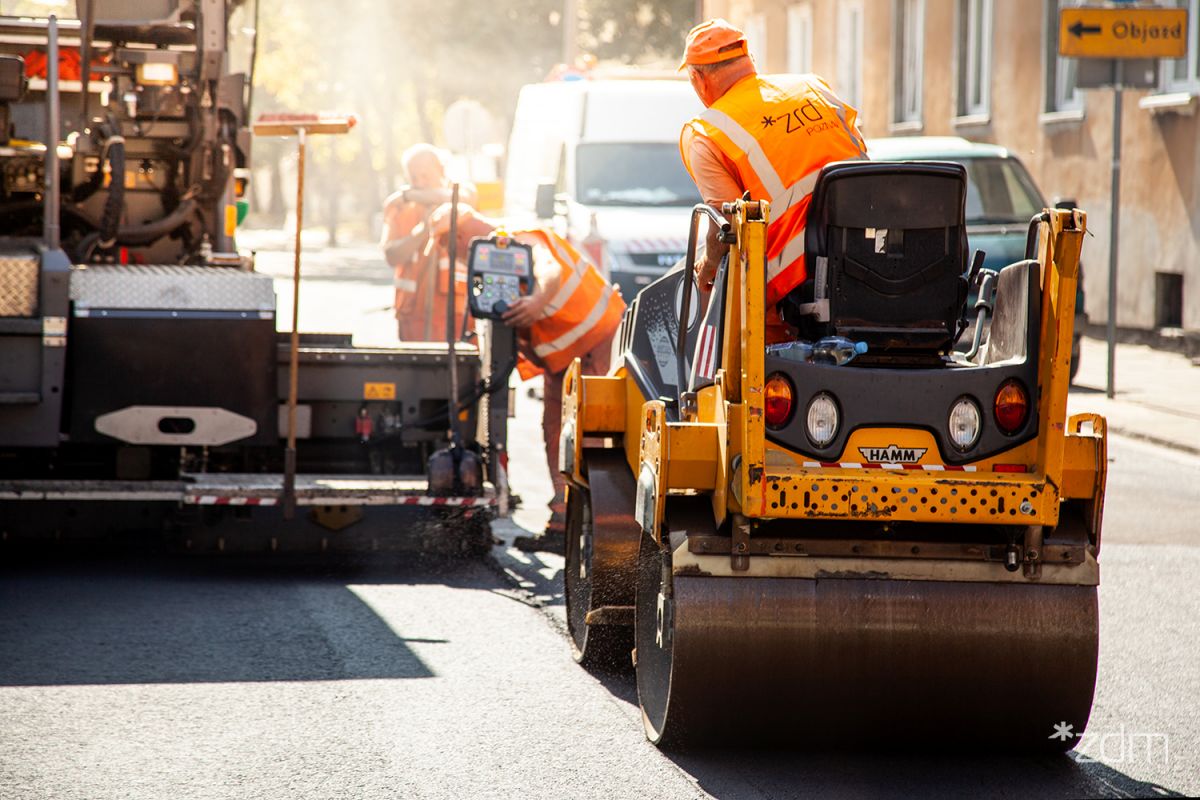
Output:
(1079, 29)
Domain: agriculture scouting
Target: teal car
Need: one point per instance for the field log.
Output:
(1001, 199)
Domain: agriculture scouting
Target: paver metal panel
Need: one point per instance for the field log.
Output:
(18, 284)
(172, 288)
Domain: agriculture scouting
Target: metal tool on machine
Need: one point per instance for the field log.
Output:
(902, 549)
(300, 126)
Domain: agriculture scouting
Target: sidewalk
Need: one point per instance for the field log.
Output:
(1157, 394)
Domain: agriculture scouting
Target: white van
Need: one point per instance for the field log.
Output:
(608, 152)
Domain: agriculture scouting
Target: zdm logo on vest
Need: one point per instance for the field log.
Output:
(892, 454)
(807, 118)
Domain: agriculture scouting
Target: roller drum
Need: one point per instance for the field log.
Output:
(863, 662)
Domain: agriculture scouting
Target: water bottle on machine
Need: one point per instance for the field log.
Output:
(832, 350)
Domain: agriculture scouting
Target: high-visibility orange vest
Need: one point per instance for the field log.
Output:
(778, 131)
(583, 314)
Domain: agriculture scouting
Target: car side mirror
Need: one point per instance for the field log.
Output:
(544, 203)
(1065, 204)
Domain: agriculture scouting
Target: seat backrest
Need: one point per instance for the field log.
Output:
(886, 252)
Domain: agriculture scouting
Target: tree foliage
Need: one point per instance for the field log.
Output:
(397, 66)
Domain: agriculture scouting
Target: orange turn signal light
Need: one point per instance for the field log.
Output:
(778, 399)
(1012, 406)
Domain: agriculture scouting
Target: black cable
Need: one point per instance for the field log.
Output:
(485, 388)
(114, 204)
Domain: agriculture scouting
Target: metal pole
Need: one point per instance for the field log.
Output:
(50, 226)
(1115, 228)
(451, 317)
(289, 455)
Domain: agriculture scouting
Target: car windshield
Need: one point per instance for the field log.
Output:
(633, 174)
(999, 191)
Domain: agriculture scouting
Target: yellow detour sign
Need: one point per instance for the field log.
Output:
(1123, 32)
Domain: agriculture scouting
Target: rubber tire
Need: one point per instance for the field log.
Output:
(603, 648)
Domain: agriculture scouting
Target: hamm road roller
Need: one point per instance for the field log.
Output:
(895, 546)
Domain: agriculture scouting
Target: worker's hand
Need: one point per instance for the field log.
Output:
(524, 311)
(706, 273)
(439, 220)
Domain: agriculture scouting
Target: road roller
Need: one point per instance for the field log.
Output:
(891, 544)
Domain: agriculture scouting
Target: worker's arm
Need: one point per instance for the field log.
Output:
(404, 232)
(547, 277)
(717, 184)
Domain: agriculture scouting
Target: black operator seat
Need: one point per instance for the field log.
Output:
(886, 252)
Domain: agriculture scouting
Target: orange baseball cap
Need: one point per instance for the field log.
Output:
(706, 40)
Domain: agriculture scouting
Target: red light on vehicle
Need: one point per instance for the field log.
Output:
(1010, 468)
(778, 394)
(1012, 406)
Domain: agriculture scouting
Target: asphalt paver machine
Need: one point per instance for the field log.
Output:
(901, 549)
(143, 385)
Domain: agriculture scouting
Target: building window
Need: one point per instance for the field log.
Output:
(1062, 92)
(799, 38)
(974, 57)
(756, 39)
(850, 48)
(1183, 74)
(909, 58)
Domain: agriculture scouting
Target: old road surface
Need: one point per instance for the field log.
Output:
(160, 676)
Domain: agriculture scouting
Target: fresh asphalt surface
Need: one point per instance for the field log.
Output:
(158, 676)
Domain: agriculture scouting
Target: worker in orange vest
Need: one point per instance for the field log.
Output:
(766, 134)
(420, 267)
(572, 312)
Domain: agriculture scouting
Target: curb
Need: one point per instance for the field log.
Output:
(1154, 440)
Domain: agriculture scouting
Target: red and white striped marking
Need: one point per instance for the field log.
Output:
(857, 465)
(217, 500)
(656, 245)
(409, 500)
(708, 352)
(425, 500)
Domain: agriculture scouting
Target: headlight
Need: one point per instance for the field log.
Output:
(822, 419)
(157, 74)
(964, 423)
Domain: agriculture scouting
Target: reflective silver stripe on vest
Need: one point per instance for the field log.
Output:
(840, 107)
(750, 146)
(576, 333)
(791, 251)
(577, 266)
(565, 291)
(405, 284)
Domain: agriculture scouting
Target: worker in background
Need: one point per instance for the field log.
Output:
(765, 134)
(572, 312)
(420, 266)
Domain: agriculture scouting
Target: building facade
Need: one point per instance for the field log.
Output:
(988, 70)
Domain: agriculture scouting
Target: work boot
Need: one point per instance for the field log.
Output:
(548, 541)
(551, 540)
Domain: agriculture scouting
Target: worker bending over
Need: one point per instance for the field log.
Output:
(765, 134)
(420, 266)
(572, 312)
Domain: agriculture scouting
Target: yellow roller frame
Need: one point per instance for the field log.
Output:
(722, 449)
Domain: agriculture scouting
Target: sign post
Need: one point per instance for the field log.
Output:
(1120, 33)
(1114, 232)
